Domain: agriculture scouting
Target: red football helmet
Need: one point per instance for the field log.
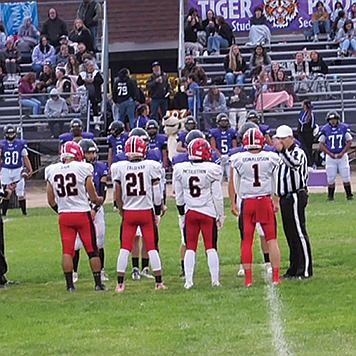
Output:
(253, 139)
(199, 149)
(71, 149)
(136, 146)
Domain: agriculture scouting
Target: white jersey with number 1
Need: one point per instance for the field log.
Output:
(68, 182)
(136, 179)
(255, 173)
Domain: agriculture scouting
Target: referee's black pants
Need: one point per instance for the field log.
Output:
(3, 264)
(293, 216)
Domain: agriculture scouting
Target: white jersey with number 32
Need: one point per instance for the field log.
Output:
(136, 179)
(68, 182)
(198, 187)
(254, 173)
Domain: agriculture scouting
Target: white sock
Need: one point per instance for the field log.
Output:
(189, 264)
(122, 260)
(155, 260)
(213, 262)
(181, 225)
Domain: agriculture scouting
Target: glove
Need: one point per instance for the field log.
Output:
(181, 221)
(157, 220)
(224, 159)
(220, 222)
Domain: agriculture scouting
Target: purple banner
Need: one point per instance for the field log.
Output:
(280, 14)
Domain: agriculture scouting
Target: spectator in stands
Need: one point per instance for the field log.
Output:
(275, 68)
(62, 57)
(92, 80)
(222, 38)
(27, 36)
(90, 12)
(338, 24)
(81, 34)
(42, 53)
(64, 85)
(46, 79)
(2, 87)
(82, 49)
(352, 13)
(209, 24)
(72, 66)
(300, 73)
(193, 26)
(159, 89)
(266, 96)
(87, 57)
(193, 90)
(143, 116)
(259, 57)
(192, 68)
(337, 8)
(54, 28)
(180, 100)
(321, 21)
(64, 41)
(11, 58)
(124, 96)
(235, 66)
(237, 107)
(318, 70)
(56, 108)
(306, 127)
(26, 88)
(347, 38)
(284, 84)
(2, 38)
(259, 34)
(213, 104)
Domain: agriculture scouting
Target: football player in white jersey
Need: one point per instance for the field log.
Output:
(255, 173)
(69, 183)
(198, 188)
(138, 196)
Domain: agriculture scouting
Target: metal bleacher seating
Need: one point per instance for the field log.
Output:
(341, 77)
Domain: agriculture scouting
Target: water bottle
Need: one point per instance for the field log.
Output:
(314, 167)
(336, 78)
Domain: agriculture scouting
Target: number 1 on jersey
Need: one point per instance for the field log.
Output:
(257, 182)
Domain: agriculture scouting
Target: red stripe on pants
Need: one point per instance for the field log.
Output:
(196, 222)
(131, 220)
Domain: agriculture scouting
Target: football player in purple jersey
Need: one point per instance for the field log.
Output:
(254, 117)
(76, 133)
(190, 124)
(335, 140)
(157, 140)
(14, 155)
(90, 151)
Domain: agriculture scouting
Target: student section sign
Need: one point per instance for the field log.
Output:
(14, 13)
(280, 14)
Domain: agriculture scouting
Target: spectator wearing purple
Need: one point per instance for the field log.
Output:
(54, 27)
(42, 53)
(81, 34)
(27, 87)
(143, 112)
(90, 12)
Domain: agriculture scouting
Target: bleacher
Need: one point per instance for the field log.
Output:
(341, 77)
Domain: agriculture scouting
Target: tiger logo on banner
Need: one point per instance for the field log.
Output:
(280, 12)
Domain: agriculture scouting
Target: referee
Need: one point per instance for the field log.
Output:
(5, 192)
(292, 190)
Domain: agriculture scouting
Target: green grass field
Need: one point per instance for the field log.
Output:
(316, 317)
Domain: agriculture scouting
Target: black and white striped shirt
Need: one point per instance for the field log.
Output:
(293, 171)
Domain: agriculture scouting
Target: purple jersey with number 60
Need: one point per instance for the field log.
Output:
(335, 138)
(12, 152)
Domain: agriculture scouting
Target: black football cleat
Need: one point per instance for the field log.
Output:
(12, 283)
(71, 289)
(101, 288)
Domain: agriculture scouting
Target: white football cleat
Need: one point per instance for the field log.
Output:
(75, 277)
(146, 273)
(120, 288)
(188, 285)
(135, 273)
(104, 276)
(160, 286)
(216, 284)
(241, 271)
(268, 267)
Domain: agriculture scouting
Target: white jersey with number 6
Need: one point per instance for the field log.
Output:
(136, 179)
(68, 182)
(255, 173)
(198, 186)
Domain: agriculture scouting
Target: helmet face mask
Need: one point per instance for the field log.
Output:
(152, 128)
(90, 150)
(333, 118)
(116, 128)
(253, 117)
(223, 123)
(141, 133)
(10, 133)
(76, 127)
(192, 135)
(190, 124)
(253, 139)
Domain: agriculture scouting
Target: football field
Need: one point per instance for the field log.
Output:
(301, 317)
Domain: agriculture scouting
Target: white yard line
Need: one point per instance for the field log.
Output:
(275, 307)
(7, 220)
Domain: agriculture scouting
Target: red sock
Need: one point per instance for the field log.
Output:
(275, 278)
(248, 277)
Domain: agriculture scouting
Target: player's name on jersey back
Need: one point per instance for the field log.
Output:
(194, 171)
(135, 168)
(255, 159)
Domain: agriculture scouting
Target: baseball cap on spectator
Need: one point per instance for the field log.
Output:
(155, 63)
(60, 69)
(283, 131)
(63, 37)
